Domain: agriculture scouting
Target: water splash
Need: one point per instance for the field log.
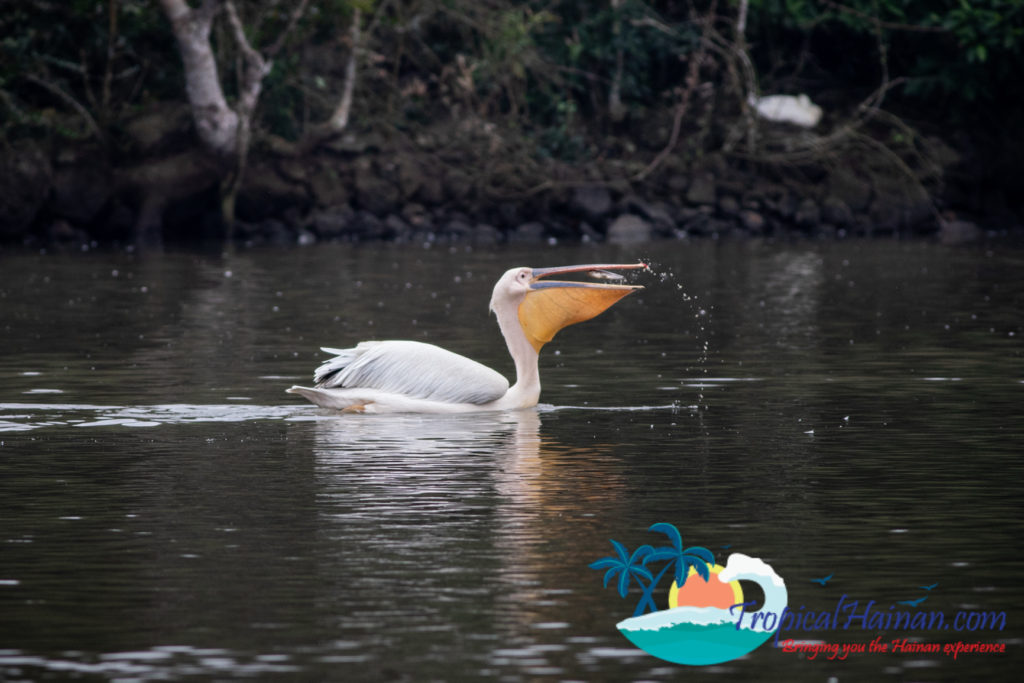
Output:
(701, 316)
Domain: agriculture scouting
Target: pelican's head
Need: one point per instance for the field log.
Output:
(544, 307)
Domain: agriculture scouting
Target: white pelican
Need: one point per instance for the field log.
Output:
(409, 376)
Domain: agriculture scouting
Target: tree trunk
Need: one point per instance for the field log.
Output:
(225, 131)
(339, 119)
(616, 111)
(216, 122)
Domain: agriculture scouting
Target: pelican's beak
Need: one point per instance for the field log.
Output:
(551, 305)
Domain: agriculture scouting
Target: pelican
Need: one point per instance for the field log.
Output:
(410, 376)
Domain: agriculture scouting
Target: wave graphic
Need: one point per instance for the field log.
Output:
(712, 635)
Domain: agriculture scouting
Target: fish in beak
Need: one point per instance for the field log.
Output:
(551, 305)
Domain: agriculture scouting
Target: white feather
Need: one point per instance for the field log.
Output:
(411, 369)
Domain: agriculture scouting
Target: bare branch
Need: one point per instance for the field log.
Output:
(256, 67)
(108, 72)
(616, 110)
(866, 111)
(293, 20)
(692, 76)
(339, 119)
(892, 26)
(90, 122)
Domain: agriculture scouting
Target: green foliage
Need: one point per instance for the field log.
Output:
(586, 44)
(550, 66)
(53, 53)
(563, 139)
(954, 52)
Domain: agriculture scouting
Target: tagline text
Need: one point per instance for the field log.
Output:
(811, 649)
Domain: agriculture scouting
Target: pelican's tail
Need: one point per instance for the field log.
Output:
(342, 358)
(327, 398)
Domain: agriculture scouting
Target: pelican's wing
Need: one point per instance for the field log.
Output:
(411, 369)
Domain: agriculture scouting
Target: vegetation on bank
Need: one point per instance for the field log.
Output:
(356, 119)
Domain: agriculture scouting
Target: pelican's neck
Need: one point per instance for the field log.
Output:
(526, 390)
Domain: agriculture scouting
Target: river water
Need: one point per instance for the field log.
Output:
(167, 512)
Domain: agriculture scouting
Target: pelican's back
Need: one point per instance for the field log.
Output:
(411, 369)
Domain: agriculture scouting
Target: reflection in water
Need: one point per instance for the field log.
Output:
(410, 493)
(792, 298)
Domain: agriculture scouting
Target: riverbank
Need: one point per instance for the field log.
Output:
(471, 181)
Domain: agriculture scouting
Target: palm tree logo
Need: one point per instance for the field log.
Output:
(628, 568)
(701, 624)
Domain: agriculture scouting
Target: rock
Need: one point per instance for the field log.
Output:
(484, 234)
(826, 231)
(752, 221)
(373, 192)
(786, 205)
(274, 232)
(719, 228)
(659, 214)
(629, 229)
(410, 176)
(353, 144)
(508, 215)
(265, 193)
(836, 211)
(431, 192)
(593, 202)
(854, 191)
(958, 232)
(457, 230)
(327, 186)
(589, 234)
(118, 222)
(332, 222)
(80, 192)
(807, 215)
(26, 175)
(695, 221)
(62, 231)
(415, 215)
(729, 205)
(245, 231)
(677, 183)
(398, 227)
(862, 226)
(702, 190)
(367, 227)
(527, 233)
(898, 206)
(294, 170)
(269, 231)
(162, 127)
(457, 185)
(751, 201)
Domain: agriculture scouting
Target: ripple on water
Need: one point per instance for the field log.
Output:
(157, 663)
(17, 417)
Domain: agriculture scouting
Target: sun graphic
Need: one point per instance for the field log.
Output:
(711, 593)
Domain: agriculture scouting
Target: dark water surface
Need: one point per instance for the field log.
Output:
(167, 512)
